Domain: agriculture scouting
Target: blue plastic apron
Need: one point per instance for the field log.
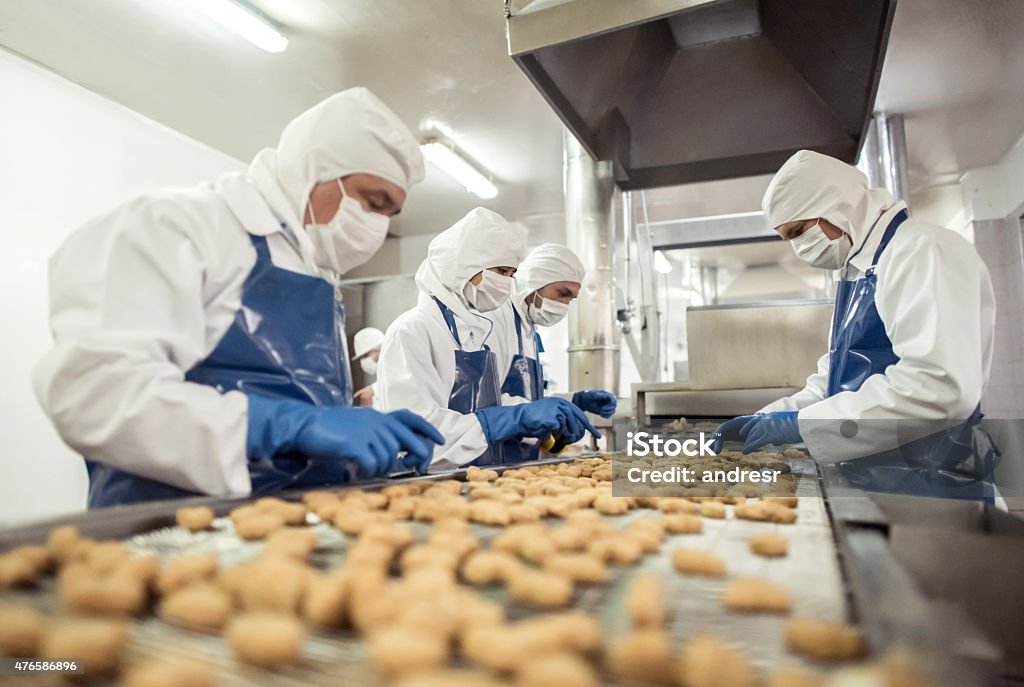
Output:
(287, 342)
(952, 463)
(525, 378)
(476, 383)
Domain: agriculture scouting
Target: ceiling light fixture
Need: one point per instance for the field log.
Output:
(456, 164)
(244, 21)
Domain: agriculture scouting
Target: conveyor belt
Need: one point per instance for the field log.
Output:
(811, 573)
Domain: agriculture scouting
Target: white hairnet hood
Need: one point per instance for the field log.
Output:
(546, 264)
(480, 240)
(350, 132)
(366, 340)
(813, 185)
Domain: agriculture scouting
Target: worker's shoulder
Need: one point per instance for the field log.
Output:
(916, 237)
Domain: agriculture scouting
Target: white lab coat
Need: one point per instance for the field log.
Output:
(141, 295)
(417, 371)
(935, 298)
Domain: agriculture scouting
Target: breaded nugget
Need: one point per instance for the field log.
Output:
(824, 640)
(670, 504)
(203, 607)
(646, 602)
(163, 673)
(490, 567)
(580, 567)
(326, 600)
(61, 541)
(795, 677)
(397, 651)
(709, 662)
(21, 631)
(274, 584)
(424, 556)
(643, 656)
(695, 562)
(611, 505)
(450, 677)
(769, 545)
(563, 669)
(475, 474)
(194, 519)
(82, 590)
(296, 543)
(544, 589)
(682, 523)
(756, 596)
(258, 525)
(186, 570)
(713, 509)
(618, 549)
(99, 643)
(15, 571)
(267, 640)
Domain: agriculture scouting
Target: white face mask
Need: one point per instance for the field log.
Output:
(491, 293)
(351, 238)
(548, 313)
(818, 250)
(369, 365)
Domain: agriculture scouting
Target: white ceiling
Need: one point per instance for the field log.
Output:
(955, 68)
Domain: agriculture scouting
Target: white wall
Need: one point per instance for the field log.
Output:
(65, 155)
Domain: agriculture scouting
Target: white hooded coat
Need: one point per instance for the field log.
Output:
(933, 296)
(141, 294)
(546, 264)
(416, 369)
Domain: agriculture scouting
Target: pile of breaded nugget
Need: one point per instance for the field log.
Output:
(414, 602)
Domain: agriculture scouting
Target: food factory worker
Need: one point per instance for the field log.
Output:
(436, 360)
(366, 344)
(911, 338)
(547, 281)
(199, 342)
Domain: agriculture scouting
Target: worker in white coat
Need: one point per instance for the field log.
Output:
(547, 282)
(896, 399)
(436, 360)
(199, 341)
(366, 351)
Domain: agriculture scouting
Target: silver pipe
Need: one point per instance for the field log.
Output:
(626, 214)
(650, 323)
(590, 232)
(884, 155)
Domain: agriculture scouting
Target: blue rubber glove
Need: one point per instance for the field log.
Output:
(772, 428)
(538, 419)
(730, 430)
(596, 401)
(368, 438)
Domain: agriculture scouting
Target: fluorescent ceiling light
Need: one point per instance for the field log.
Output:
(455, 164)
(661, 263)
(243, 21)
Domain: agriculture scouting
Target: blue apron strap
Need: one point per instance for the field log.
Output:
(539, 344)
(519, 327)
(262, 249)
(449, 319)
(890, 231)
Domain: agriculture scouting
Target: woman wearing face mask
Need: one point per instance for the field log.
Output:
(437, 359)
(896, 400)
(366, 351)
(547, 281)
(199, 342)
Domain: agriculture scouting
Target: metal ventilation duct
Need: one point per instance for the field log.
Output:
(677, 91)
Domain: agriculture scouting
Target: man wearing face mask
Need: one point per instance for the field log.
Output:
(437, 360)
(366, 344)
(199, 341)
(547, 281)
(910, 345)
